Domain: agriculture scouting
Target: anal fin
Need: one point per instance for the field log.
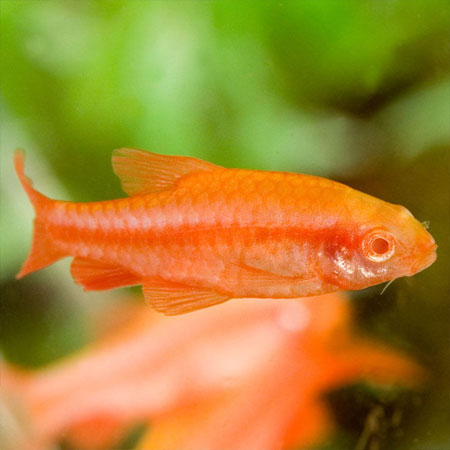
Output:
(176, 298)
(99, 276)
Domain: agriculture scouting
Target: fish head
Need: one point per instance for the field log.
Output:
(378, 243)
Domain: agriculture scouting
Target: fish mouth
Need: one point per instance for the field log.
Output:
(425, 260)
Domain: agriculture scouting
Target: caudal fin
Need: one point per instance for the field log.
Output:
(43, 250)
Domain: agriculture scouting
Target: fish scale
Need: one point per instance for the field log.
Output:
(194, 234)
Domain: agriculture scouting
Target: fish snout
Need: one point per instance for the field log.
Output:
(425, 259)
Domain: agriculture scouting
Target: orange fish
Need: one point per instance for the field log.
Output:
(243, 375)
(194, 234)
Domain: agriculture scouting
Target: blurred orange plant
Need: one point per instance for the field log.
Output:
(243, 375)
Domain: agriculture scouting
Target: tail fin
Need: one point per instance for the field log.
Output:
(43, 251)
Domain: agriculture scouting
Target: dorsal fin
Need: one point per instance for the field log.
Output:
(142, 172)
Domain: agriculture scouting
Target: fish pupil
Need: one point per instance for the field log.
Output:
(380, 246)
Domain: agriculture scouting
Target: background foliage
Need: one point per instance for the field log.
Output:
(354, 90)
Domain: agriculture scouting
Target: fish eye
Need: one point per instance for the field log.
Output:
(378, 245)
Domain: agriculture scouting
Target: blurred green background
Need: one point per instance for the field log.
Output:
(357, 91)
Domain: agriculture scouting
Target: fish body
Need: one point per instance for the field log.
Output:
(196, 234)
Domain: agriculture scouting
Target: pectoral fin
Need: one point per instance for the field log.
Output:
(142, 172)
(174, 298)
(98, 276)
(251, 276)
(256, 282)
